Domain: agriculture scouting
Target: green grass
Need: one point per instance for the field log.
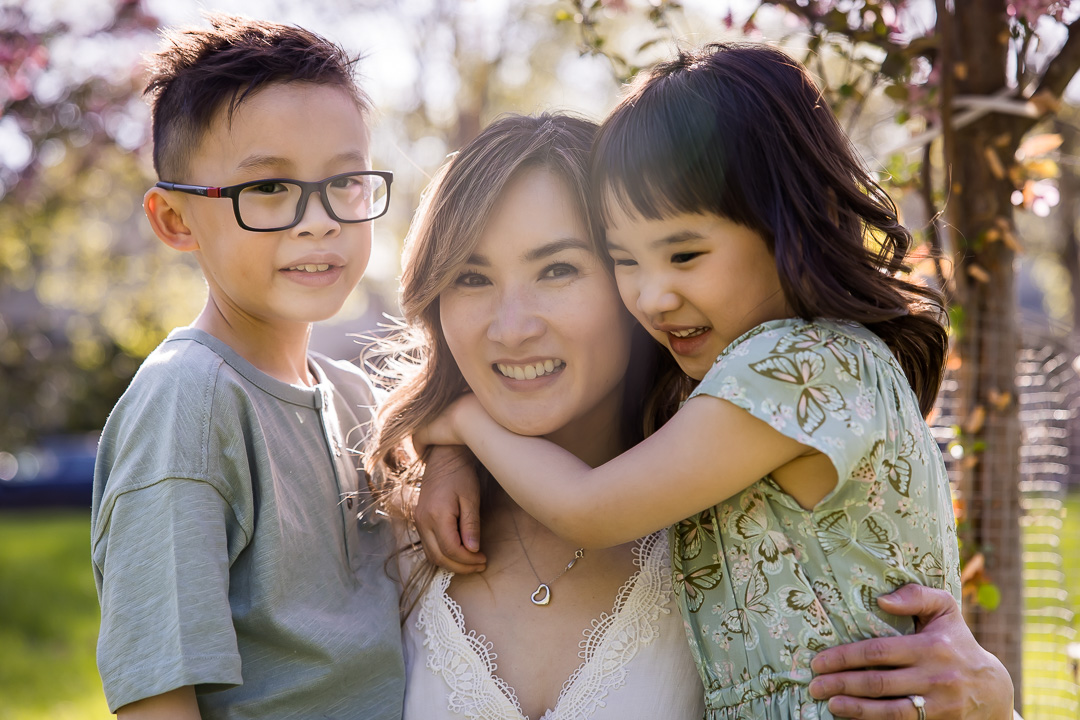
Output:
(48, 618)
(1049, 690)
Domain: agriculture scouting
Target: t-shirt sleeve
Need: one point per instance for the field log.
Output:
(807, 384)
(163, 563)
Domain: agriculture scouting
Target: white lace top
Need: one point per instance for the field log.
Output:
(635, 660)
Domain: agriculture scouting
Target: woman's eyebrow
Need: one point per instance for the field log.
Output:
(554, 247)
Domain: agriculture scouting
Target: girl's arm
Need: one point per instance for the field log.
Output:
(446, 511)
(708, 452)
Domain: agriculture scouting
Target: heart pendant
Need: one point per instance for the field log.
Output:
(542, 596)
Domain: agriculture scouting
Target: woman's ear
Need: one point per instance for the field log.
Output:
(166, 220)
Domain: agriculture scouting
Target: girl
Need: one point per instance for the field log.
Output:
(799, 479)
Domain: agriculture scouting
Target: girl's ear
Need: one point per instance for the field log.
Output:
(166, 220)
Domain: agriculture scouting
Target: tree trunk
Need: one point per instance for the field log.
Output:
(980, 212)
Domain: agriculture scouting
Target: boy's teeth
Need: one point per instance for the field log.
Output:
(530, 372)
(692, 332)
(311, 268)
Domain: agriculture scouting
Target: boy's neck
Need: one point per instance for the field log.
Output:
(279, 350)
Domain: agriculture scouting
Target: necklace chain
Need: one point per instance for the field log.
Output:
(542, 595)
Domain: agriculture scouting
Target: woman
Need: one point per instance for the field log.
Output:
(506, 293)
(527, 316)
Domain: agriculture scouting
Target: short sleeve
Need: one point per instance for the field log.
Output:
(163, 566)
(805, 381)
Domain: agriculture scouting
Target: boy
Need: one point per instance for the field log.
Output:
(234, 578)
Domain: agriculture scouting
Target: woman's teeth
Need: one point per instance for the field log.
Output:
(692, 332)
(310, 268)
(530, 372)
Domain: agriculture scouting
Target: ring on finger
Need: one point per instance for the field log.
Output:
(920, 705)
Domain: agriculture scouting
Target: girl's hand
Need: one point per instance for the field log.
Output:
(447, 511)
(957, 678)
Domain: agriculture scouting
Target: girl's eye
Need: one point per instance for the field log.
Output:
(470, 280)
(624, 262)
(684, 257)
(559, 270)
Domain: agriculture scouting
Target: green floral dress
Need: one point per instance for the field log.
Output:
(763, 584)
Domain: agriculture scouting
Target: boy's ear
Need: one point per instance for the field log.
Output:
(166, 220)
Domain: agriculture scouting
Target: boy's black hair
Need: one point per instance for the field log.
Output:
(197, 71)
(741, 131)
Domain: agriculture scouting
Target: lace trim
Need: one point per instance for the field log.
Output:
(467, 662)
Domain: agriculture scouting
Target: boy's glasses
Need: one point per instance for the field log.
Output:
(279, 203)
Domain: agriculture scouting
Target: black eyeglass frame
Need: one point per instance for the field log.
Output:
(306, 189)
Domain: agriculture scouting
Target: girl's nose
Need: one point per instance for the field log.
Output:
(515, 320)
(657, 295)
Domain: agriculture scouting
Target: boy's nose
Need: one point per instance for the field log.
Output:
(316, 221)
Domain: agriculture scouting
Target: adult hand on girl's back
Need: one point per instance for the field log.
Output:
(447, 510)
(871, 679)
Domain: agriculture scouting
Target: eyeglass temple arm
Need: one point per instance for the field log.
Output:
(191, 189)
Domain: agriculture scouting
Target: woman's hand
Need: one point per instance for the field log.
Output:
(447, 511)
(942, 662)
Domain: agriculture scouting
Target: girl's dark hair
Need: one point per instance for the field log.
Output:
(742, 132)
(198, 71)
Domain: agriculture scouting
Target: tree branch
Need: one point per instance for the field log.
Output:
(1063, 66)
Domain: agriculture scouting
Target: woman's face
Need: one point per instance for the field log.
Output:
(533, 319)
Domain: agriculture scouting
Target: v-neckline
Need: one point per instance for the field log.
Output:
(475, 685)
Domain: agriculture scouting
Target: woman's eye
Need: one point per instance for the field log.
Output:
(471, 280)
(684, 257)
(560, 270)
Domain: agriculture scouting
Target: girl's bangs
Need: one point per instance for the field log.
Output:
(659, 156)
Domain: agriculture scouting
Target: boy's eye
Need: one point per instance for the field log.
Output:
(684, 257)
(559, 270)
(268, 188)
(471, 280)
(355, 182)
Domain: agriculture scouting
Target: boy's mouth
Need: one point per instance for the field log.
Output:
(310, 268)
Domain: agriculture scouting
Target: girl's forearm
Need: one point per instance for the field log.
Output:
(547, 481)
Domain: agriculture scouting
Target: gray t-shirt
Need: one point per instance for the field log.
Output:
(227, 549)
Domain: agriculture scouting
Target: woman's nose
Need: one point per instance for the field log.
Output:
(516, 319)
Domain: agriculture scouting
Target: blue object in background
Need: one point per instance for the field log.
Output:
(57, 473)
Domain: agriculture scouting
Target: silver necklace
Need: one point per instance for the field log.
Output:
(542, 594)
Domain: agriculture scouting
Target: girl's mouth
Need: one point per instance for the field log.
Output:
(689, 332)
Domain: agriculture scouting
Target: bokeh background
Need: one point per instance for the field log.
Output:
(981, 158)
